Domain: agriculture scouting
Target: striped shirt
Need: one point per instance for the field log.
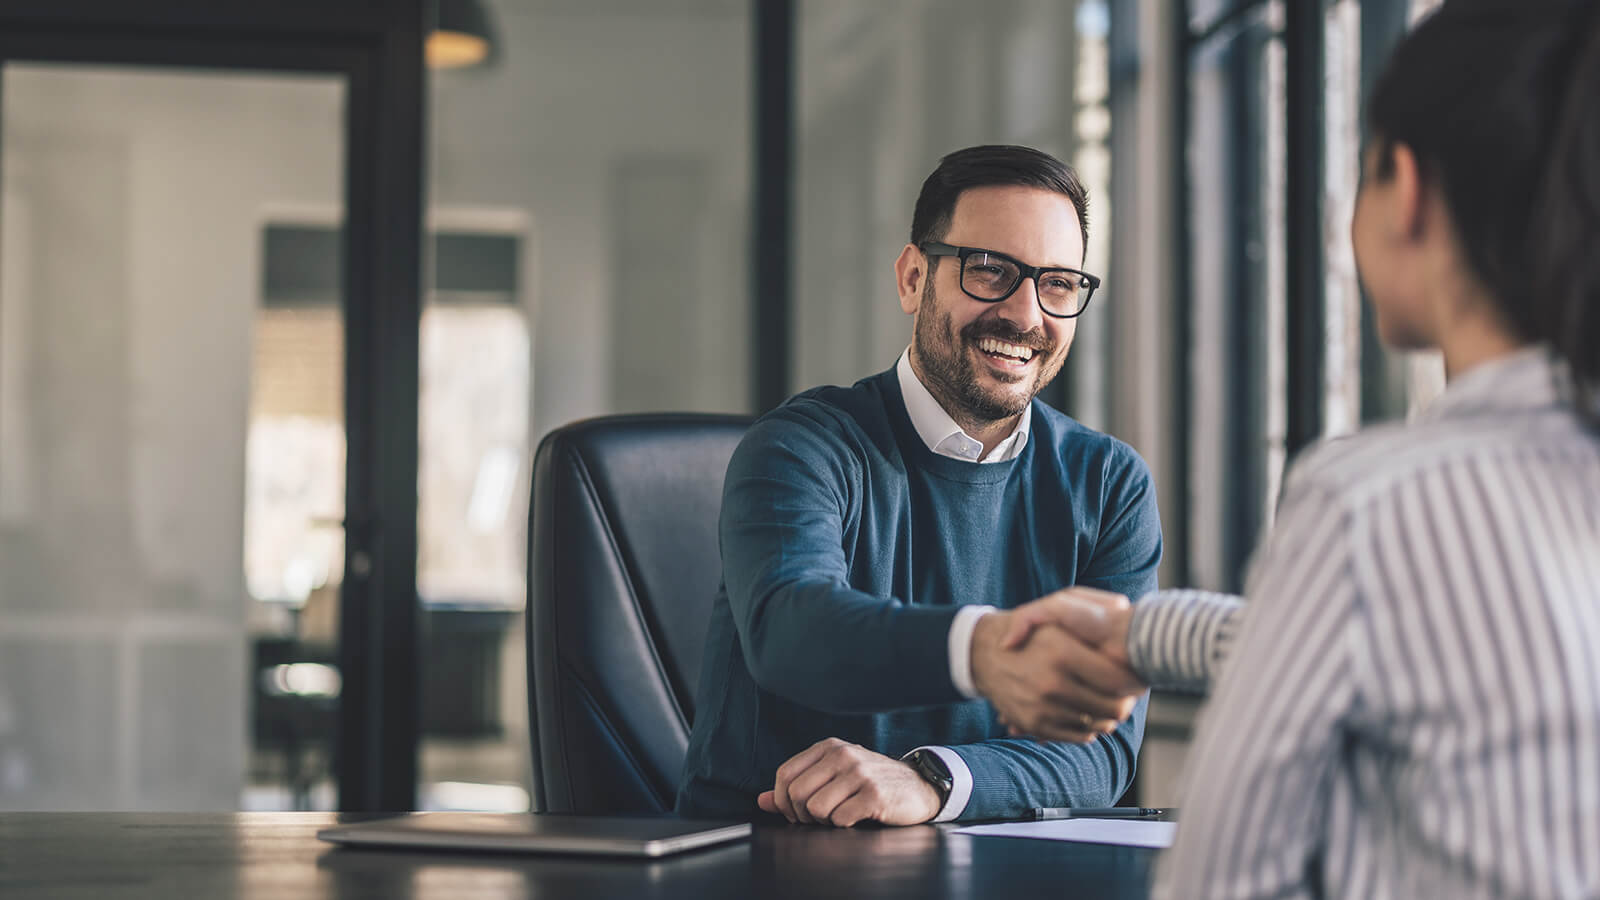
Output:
(1410, 706)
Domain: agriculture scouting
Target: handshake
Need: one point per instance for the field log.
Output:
(1057, 668)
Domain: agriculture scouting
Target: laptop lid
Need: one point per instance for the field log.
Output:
(535, 833)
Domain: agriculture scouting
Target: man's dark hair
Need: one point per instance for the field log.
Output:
(1500, 102)
(989, 166)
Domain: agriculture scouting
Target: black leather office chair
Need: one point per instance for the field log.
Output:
(622, 568)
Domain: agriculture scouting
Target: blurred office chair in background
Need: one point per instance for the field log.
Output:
(622, 568)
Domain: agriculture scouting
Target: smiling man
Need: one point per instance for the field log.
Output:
(875, 538)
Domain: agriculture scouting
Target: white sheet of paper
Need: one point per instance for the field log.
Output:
(1122, 832)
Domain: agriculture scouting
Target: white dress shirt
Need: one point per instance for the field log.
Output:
(943, 436)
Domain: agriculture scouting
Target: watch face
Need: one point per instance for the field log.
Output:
(932, 769)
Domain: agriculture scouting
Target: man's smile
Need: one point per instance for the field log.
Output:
(1007, 361)
(1005, 350)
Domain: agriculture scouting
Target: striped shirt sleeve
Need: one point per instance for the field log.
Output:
(1178, 639)
(1265, 752)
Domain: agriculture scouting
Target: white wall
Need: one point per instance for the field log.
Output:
(575, 97)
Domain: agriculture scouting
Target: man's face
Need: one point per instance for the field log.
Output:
(984, 362)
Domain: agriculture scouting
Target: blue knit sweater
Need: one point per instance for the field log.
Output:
(848, 545)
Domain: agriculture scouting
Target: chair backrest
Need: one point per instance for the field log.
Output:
(623, 566)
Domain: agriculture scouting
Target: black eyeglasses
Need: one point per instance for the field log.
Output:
(991, 277)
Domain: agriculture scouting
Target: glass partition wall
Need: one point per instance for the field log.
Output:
(172, 440)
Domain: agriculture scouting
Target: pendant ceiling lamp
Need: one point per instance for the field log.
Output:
(460, 36)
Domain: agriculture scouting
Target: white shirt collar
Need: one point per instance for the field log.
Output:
(1525, 379)
(941, 433)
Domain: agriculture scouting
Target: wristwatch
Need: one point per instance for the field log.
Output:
(933, 771)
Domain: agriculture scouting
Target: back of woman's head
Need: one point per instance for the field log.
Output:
(1500, 102)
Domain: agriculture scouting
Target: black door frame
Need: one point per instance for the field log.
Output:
(378, 47)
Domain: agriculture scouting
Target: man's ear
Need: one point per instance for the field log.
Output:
(910, 270)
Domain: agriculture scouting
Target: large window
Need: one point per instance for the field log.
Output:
(1281, 348)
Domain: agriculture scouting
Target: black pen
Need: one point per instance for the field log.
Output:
(1085, 812)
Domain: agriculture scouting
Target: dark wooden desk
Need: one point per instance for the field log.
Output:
(184, 856)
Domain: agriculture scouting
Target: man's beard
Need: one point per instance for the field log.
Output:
(951, 374)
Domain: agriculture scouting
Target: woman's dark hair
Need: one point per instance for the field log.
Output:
(1500, 102)
(989, 166)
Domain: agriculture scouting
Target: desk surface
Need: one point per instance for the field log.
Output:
(201, 856)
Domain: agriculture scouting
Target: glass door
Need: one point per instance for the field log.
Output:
(172, 437)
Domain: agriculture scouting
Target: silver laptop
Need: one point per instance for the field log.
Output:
(527, 833)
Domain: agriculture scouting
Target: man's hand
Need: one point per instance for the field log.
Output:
(1097, 617)
(834, 782)
(1066, 683)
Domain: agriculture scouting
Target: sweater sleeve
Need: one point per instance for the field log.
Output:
(1013, 775)
(1127, 550)
(805, 633)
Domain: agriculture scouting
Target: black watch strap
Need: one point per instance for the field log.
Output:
(933, 771)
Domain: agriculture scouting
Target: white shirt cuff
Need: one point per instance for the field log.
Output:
(961, 628)
(960, 783)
